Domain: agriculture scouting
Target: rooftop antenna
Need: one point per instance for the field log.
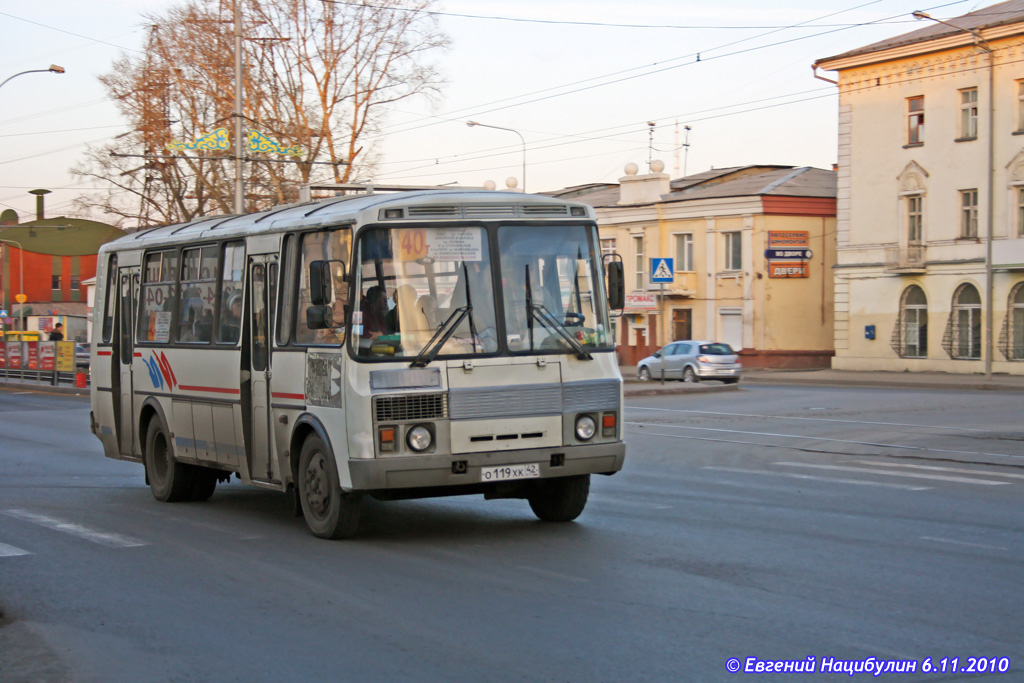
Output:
(650, 142)
(686, 149)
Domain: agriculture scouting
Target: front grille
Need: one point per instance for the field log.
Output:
(410, 407)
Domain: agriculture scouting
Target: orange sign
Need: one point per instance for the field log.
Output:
(788, 239)
(412, 245)
(787, 269)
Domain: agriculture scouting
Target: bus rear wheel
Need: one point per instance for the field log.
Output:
(329, 511)
(169, 480)
(561, 499)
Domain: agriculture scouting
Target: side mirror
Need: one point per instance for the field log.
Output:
(320, 287)
(657, 354)
(616, 286)
(319, 317)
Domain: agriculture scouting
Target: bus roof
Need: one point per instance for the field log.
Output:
(421, 206)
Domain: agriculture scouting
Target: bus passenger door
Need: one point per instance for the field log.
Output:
(124, 416)
(260, 297)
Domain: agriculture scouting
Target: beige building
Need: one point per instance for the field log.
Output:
(717, 227)
(918, 203)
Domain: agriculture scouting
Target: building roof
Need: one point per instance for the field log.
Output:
(1010, 12)
(737, 181)
(61, 236)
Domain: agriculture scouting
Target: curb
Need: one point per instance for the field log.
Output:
(45, 388)
(646, 388)
(880, 383)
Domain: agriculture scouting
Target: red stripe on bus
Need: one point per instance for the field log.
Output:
(212, 390)
(137, 354)
(297, 397)
(104, 353)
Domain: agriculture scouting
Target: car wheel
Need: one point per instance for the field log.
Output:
(731, 380)
(561, 499)
(644, 375)
(329, 511)
(689, 375)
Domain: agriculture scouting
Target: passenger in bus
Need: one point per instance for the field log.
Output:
(231, 326)
(374, 308)
(405, 305)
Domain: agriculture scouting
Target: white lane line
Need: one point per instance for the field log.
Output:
(790, 475)
(11, 551)
(812, 419)
(602, 498)
(890, 473)
(106, 538)
(922, 449)
(937, 469)
(963, 543)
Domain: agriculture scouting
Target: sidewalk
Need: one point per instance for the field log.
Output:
(828, 377)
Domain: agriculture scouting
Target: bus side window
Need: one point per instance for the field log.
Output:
(198, 293)
(229, 323)
(286, 309)
(111, 300)
(333, 246)
(156, 307)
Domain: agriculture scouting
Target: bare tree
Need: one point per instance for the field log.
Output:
(317, 75)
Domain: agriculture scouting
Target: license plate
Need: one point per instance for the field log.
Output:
(510, 472)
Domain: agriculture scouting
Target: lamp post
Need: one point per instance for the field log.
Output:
(980, 42)
(21, 279)
(484, 125)
(53, 69)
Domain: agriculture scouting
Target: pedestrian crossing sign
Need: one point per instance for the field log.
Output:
(662, 270)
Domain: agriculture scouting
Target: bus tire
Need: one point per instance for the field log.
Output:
(169, 480)
(329, 511)
(204, 483)
(561, 499)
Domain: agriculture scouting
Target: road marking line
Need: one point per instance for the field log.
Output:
(11, 551)
(969, 545)
(106, 538)
(813, 419)
(914, 475)
(790, 475)
(940, 469)
(818, 438)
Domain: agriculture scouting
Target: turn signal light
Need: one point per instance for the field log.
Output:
(608, 422)
(387, 438)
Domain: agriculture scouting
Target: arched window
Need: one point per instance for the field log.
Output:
(965, 324)
(914, 323)
(1015, 323)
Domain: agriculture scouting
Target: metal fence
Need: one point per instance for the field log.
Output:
(63, 363)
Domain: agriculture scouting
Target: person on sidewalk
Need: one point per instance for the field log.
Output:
(57, 334)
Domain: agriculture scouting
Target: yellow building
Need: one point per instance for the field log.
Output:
(930, 272)
(752, 250)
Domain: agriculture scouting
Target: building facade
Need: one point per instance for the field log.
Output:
(930, 271)
(717, 227)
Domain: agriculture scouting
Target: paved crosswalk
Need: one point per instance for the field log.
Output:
(80, 531)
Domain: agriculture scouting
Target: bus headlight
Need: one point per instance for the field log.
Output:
(585, 428)
(419, 438)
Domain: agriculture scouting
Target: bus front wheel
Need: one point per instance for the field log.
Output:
(329, 511)
(561, 499)
(169, 480)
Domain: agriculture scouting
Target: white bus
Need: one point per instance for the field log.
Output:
(407, 345)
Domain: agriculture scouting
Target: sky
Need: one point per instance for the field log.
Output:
(577, 80)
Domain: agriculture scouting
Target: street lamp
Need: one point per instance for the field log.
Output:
(980, 42)
(21, 279)
(53, 69)
(484, 125)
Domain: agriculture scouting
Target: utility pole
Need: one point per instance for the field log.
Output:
(239, 205)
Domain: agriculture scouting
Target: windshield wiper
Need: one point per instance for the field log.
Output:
(443, 334)
(545, 318)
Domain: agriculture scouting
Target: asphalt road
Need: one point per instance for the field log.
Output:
(771, 522)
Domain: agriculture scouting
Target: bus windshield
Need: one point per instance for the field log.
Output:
(411, 282)
(551, 299)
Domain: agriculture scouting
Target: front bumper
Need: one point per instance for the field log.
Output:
(438, 470)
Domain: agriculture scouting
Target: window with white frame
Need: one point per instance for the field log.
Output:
(915, 216)
(638, 250)
(969, 213)
(966, 323)
(684, 251)
(733, 250)
(915, 120)
(1015, 313)
(914, 323)
(608, 246)
(968, 114)
(1020, 105)
(1020, 211)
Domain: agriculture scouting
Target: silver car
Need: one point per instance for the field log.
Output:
(692, 361)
